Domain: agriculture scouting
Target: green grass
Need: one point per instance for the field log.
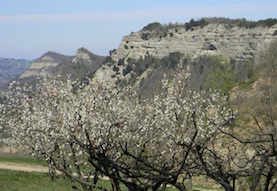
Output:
(24, 181)
(29, 161)
(32, 181)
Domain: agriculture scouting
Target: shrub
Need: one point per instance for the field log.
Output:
(152, 26)
(145, 36)
(127, 70)
(172, 60)
(120, 62)
(115, 68)
(193, 23)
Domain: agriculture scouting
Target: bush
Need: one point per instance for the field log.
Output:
(230, 22)
(172, 60)
(145, 36)
(152, 26)
(223, 77)
(193, 23)
(115, 68)
(120, 62)
(127, 70)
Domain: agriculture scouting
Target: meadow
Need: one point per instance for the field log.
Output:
(11, 180)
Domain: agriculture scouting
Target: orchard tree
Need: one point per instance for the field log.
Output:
(46, 122)
(253, 151)
(264, 134)
(94, 130)
(227, 159)
(157, 146)
(247, 159)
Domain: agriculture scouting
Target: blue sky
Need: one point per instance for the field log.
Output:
(30, 28)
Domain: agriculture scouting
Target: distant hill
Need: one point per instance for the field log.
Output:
(45, 65)
(53, 64)
(50, 64)
(11, 68)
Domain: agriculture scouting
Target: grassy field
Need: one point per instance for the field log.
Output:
(23, 160)
(24, 181)
(33, 181)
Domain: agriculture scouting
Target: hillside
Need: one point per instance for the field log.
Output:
(45, 65)
(236, 43)
(219, 51)
(53, 64)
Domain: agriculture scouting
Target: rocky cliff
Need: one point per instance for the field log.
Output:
(237, 42)
(45, 65)
(234, 42)
(85, 63)
(54, 64)
(84, 56)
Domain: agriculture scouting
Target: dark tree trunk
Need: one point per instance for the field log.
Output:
(115, 185)
(268, 179)
(227, 187)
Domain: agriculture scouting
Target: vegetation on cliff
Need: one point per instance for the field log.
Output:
(212, 20)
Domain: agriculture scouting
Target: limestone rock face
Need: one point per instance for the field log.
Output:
(236, 42)
(83, 56)
(85, 63)
(233, 42)
(42, 67)
(54, 64)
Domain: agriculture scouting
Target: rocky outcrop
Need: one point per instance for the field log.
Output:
(51, 64)
(45, 65)
(236, 42)
(233, 42)
(55, 64)
(83, 56)
(87, 61)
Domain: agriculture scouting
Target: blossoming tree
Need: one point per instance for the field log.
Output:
(94, 130)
